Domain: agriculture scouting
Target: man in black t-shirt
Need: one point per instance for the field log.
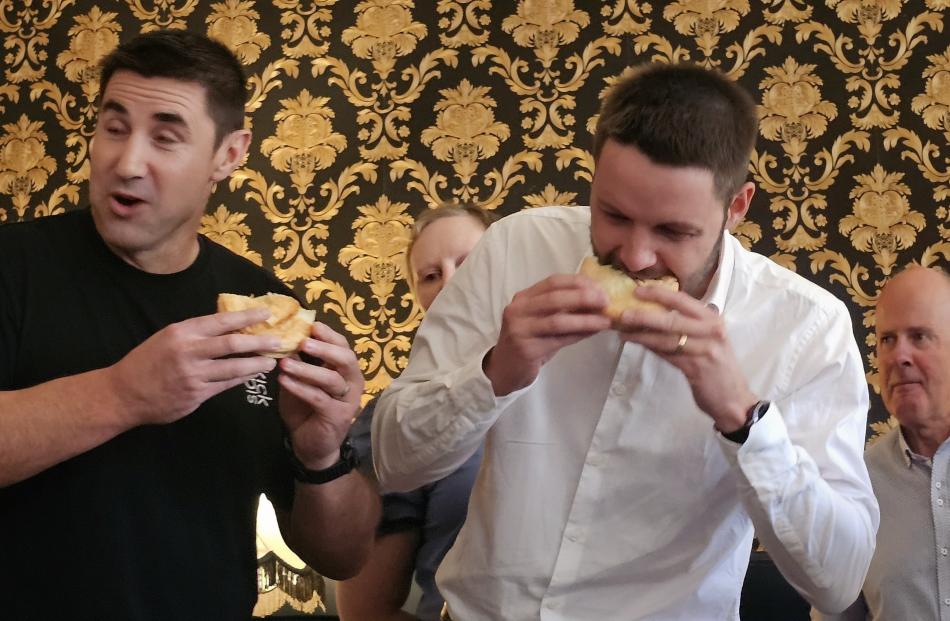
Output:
(137, 428)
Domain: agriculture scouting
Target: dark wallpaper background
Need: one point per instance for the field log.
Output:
(367, 113)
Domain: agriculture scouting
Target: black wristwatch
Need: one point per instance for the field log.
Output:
(349, 459)
(740, 435)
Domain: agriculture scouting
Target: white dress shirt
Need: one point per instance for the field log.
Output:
(605, 493)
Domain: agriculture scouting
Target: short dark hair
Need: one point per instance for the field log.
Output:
(445, 210)
(683, 115)
(191, 57)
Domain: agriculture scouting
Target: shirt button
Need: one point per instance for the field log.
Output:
(595, 461)
(618, 390)
(552, 605)
(947, 601)
(940, 502)
(943, 551)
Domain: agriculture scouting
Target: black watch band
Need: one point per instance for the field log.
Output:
(740, 435)
(349, 460)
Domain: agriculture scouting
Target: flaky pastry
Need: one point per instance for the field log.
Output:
(621, 288)
(287, 320)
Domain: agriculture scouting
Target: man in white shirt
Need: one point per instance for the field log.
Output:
(909, 576)
(608, 489)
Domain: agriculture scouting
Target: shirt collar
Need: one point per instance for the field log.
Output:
(715, 296)
(909, 456)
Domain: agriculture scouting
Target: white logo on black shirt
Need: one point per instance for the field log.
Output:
(256, 390)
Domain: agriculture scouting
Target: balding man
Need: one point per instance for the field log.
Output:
(909, 577)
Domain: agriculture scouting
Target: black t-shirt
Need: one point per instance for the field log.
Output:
(159, 522)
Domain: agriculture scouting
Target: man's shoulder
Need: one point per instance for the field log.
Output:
(554, 237)
(884, 451)
(239, 268)
(50, 237)
(549, 216)
(763, 277)
(27, 229)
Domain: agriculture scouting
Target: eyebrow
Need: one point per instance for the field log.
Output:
(171, 118)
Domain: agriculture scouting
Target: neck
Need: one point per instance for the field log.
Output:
(161, 261)
(925, 440)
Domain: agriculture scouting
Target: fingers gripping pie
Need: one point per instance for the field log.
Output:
(287, 321)
(621, 289)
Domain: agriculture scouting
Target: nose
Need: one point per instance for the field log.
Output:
(131, 161)
(637, 253)
(899, 353)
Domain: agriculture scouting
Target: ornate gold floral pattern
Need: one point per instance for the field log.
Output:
(414, 103)
(465, 129)
(92, 37)
(385, 30)
(706, 20)
(162, 13)
(934, 103)
(234, 23)
(24, 165)
(626, 17)
(304, 141)
(792, 109)
(229, 230)
(882, 221)
(377, 257)
(463, 22)
(25, 25)
(546, 26)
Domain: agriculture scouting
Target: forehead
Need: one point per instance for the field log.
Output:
(447, 235)
(630, 181)
(140, 95)
(916, 299)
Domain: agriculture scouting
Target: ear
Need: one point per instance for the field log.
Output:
(739, 205)
(230, 154)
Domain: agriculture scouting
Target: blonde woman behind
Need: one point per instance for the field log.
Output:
(418, 527)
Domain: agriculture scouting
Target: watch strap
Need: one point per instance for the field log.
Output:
(349, 460)
(756, 412)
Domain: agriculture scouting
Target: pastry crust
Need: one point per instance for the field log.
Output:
(287, 320)
(621, 289)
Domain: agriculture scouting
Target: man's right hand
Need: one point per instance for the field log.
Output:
(541, 320)
(183, 365)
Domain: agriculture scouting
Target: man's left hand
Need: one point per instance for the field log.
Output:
(318, 401)
(693, 338)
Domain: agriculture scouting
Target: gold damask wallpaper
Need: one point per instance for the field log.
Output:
(367, 113)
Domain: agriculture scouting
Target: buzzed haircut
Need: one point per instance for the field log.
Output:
(190, 57)
(683, 115)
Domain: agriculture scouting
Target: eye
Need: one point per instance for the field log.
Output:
(885, 339)
(114, 128)
(431, 276)
(166, 138)
(674, 234)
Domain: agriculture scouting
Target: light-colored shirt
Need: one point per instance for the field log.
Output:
(909, 576)
(605, 493)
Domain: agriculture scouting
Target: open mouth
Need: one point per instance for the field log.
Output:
(126, 200)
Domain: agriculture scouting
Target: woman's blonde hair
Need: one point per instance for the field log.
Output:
(446, 210)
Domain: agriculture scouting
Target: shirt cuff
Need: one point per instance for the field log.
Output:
(766, 454)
